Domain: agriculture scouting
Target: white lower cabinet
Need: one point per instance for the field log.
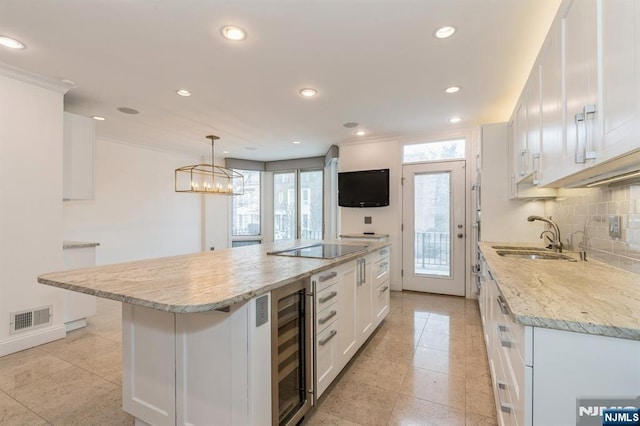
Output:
(196, 369)
(539, 373)
(351, 301)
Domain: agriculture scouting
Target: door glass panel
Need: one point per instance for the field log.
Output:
(284, 206)
(432, 224)
(245, 208)
(311, 204)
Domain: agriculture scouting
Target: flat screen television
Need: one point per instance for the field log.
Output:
(365, 188)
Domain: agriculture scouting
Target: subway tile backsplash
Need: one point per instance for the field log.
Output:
(584, 217)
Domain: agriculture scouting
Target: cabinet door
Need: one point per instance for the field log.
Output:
(513, 163)
(364, 308)
(79, 140)
(581, 77)
(520, 147)
(552, 120)
(347, 334)
(532, 149)
(327, 355)
(619, 22)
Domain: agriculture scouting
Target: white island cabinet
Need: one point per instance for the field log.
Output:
(196, 369)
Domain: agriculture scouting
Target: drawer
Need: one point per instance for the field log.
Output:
(326, 297)
(383, 253)
(325, 317)
(327, 367)
(381, 301)
(502, 390)
(325, 279)
(381, 271)
(515, 339)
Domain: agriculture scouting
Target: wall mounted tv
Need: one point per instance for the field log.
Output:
(365, 188)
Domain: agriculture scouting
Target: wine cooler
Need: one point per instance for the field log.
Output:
(291, 353)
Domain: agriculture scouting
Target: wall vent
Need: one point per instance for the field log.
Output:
(28, 320)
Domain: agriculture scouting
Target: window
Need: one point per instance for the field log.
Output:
(298, 205)
(434, 151)
(245, 209)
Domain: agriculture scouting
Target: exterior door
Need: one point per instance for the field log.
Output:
(433, 238)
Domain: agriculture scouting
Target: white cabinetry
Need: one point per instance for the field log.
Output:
(192, 368)
(77, 306)
(538, 373)
(78, 157)
(351, 301)
(592, 51)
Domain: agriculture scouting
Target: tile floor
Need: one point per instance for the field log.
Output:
(425, 365)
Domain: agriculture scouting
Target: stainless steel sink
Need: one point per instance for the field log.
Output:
(535, 255)
(519, 248)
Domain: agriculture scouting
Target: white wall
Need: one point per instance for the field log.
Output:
(30, 206)
(385, 220)
(136, 214)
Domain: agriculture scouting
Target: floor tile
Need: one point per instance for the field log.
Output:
(372, 371)
(478, 420)
(360, 403)
(479, 399)
(68, 395)
(25, 367)
(437, 387)
(386, 349)
(443, 342)
(415, 411)
(12, 413)
(441, 361)
(322, 418)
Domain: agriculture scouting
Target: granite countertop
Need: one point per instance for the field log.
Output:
(586, 297)
(78, 244)
(199, 282)
(365, 236)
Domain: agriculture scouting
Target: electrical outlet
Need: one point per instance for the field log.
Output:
(367, 220)
(262, 310)
(614, 226)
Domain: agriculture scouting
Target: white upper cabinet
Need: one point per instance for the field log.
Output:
(552, 108)
(619, 56)
(581, 84)
(79, 141)
(581, 105)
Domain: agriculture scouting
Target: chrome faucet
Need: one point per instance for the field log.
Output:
(556, 244)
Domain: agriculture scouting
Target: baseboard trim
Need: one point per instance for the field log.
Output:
(29, 340)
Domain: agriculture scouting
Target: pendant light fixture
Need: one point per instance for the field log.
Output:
(209, 178)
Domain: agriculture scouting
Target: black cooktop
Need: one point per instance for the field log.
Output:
(320, 251)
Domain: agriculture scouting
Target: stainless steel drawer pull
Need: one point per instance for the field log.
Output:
(504, 342)
(383, 264)
(503, 305)
(329, 337)
(330, 275)
(328, 317)
(505, 408)
(490, 275)
(327, 297)
(386, 287)
(384, 251)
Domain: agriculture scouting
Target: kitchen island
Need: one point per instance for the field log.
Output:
(196, 349)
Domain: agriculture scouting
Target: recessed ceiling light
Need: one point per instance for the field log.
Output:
(296, 142)
(308, 92)
(98, 118)
(455, 120)
(250, 148)
(183, 92)
(127, 110)
(350, 125)
(360, 133)
(444, 32)
(225, 152)
(68, 82)
(234, 33)
(11, 43)
(452, 89)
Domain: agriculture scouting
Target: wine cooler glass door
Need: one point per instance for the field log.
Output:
(290, 352)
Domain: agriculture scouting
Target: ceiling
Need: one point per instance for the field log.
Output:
(374, 62)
